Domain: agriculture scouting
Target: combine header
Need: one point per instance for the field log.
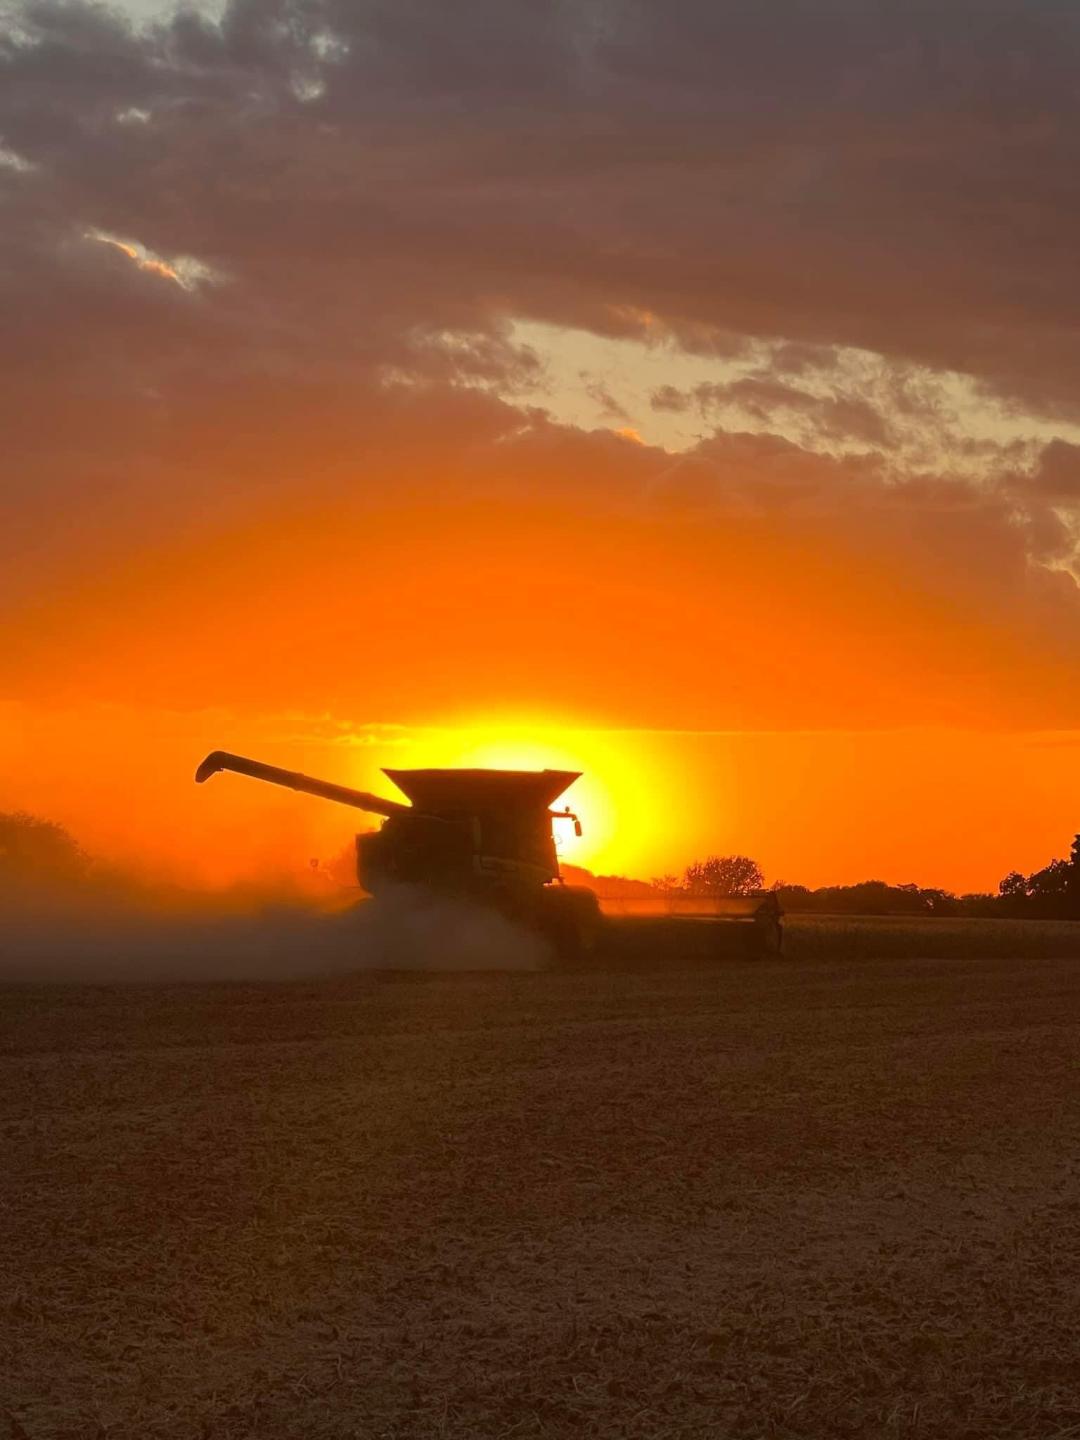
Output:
(698, 925)
(487, 835)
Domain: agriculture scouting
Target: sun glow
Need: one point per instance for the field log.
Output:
(610, 798)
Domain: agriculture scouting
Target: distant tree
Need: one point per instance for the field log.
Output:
(878, 897)
(1072, 881)
(723, 875)
(1053, 891)
(978, 903)
(666, 884)
(795, 897)
(939, 902)
(1050, 883)
(37, 852)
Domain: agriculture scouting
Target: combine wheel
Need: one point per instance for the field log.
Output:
(570, 921)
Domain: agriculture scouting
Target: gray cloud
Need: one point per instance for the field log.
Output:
(1057, 478)
(855, 174)
(837, 416)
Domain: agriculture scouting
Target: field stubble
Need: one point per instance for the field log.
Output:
(880, 937)
(793, 1198)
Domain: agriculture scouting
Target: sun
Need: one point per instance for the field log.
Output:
(608, 797)
(625, 797)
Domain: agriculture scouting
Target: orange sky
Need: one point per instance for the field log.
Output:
(650, 398)
(727, 682)
(951, 807)
(666, 618)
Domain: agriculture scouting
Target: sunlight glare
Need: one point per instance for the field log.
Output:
(610, 798)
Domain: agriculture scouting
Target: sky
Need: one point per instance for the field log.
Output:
(685, 394)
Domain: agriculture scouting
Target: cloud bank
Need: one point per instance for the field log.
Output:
(260, 279)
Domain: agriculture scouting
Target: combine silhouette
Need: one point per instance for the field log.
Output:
(484, 835)
(487, 836)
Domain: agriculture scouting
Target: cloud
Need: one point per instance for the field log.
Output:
(387, 188)
(1057, 477)
(10, 161)
(603, 398)
(595, 162)
(183, 270)
(835, 416)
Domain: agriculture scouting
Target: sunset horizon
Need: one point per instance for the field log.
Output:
(814, 807)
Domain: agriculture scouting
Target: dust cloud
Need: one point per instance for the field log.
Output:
(90, 939)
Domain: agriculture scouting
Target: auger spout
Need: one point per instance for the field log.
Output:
(219, 760)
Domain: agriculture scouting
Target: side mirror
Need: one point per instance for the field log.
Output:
(577, 828)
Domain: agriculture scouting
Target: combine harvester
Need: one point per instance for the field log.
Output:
(487, 836)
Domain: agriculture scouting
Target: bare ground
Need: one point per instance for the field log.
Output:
(773, 1199)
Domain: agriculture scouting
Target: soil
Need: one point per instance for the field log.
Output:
(745, 1199)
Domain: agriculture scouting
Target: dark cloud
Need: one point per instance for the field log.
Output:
(671, 399)
(853, 173)
(602, 397)
(1057, 478)
(836, 416)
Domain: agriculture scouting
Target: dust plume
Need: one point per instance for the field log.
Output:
(90, 940)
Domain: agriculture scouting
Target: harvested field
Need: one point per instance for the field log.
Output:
(850, 937)
(879, 937)
(795, 1198)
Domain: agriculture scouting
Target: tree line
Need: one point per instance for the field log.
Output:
(1050, 893)
(35, 852)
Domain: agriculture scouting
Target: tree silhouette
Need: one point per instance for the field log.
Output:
(1051, 882)
(37, 852)
(723, 875)
(666, 884)
(1052, 891)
